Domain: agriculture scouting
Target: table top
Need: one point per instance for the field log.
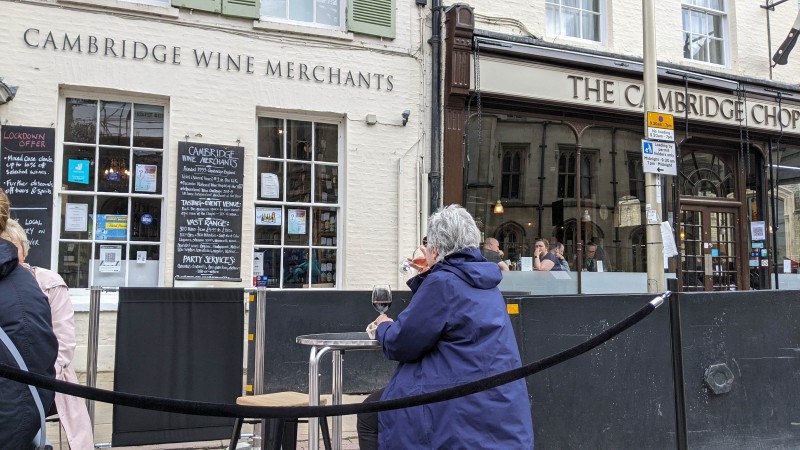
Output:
(351, 341)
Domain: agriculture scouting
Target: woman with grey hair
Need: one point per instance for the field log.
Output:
(455, 330)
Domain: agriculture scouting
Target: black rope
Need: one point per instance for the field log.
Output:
(272, 412)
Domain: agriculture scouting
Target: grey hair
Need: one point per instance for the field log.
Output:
(451, 229)
(16, 234)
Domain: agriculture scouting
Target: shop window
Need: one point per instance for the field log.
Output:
(706, 175)
(578, 19)
(111, 196)
(567, 173)
(375, 17)
(511, 175)
(297, 206)
(704, 30)
(635, 177)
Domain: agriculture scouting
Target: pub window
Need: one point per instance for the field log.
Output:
(327, 13)
(704, 30)
(639, 250)
(297, 208)
(567, 173)
(511, 174)
(635, 177)
(111, 195)
(582, 20)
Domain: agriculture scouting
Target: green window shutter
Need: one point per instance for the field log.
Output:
(199, 5)
(242, 8)
(375, 17)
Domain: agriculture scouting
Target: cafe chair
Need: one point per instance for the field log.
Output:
(285, 435)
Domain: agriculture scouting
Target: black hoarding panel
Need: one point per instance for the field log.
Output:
(293, 313)
(747, 345)
(26, 171)
(618, 396)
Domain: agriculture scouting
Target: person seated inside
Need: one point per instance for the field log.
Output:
(456, 329)
(558, 252)
(491, 251)
(594, 255)
(543, 260)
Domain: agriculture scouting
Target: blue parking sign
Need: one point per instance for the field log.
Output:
(647, 147)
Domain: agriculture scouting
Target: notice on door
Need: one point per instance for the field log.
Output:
(208, 222)
(26, 173)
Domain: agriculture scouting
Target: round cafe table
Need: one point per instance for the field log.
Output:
(335, 344)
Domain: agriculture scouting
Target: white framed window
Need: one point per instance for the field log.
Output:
(111, 194)
(704, 33)
(165, 3)
(297, 208)
(581, 19)
(325, 13)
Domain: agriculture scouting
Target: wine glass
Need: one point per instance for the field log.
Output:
(416, 264)
(381, 298)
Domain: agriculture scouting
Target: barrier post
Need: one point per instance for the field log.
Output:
(258, 376)
(92, 344)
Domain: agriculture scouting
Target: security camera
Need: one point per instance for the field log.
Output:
(406, 113)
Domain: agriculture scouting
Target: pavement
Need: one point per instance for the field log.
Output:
(103, 423)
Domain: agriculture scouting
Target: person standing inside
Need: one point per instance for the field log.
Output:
(491, 251)
(543, 260)
(455, 330)
(25, 317)
(71, 410)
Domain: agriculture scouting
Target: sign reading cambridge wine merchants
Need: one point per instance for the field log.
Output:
(208, 222)
(26, 172)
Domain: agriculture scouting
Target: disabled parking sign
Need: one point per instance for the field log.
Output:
(659, 157)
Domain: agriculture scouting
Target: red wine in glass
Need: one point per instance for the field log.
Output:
(381, 298)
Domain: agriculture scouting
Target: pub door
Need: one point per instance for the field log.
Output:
(709, 260)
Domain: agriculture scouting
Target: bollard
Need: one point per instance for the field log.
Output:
(92, 344)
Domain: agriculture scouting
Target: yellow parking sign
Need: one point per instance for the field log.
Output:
(660, 120)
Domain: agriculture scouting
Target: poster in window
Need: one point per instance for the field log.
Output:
(110, 258)
(75, 218)
(78, 171)
(270, 187)
(296, 221)
(269, 216)
(111, 227)
(146, 178)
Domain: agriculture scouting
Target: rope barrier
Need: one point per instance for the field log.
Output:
(227, 410)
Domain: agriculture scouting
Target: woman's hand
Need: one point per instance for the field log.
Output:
(383, 318)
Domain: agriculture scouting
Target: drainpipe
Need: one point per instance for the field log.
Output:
(434, 177)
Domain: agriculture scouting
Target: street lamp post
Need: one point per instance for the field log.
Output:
(655, 247)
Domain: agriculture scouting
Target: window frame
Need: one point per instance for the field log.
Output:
(313, 203)
(61, 195)
(343, 5)
(560, 33)
(725, 39)
(507, 178)
(566, 179)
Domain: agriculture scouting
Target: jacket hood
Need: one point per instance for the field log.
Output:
(8, 258)
(469, 265)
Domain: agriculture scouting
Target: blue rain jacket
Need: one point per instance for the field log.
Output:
(455, 330)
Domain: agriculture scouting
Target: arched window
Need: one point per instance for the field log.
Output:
(567, 171)
(511, 175)
(706, 175)
(511, 236)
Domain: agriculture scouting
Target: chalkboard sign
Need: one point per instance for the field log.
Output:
(208, 222)
(26, 171)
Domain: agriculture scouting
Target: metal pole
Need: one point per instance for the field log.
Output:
(655, 247)
(91, 351)
(258, 376)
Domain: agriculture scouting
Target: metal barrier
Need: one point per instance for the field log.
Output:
(92, 345)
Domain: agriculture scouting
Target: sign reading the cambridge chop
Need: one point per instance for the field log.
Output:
(532, 80)
(26, 173)
(208, 221)
(137, 50)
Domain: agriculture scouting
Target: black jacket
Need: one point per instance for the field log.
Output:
(25, 317)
